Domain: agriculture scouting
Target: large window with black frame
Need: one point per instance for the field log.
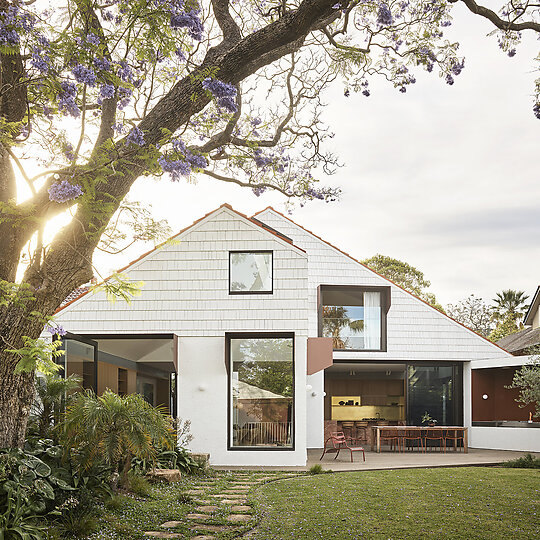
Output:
(261, 391)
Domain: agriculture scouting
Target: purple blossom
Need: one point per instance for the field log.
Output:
(68, 152)
(256, 122)
(63, 191)
(124, 97)
(176, 168)
(66, 99)
(225, 93)
(58, 330)
(259, 190)
(125, 72)
(92, 39)
(107, 91)
(40, 61)
(366, 92)
(384, 15)
(511, 53)
(536, 110)
(180, 54)
(118, 128)
(449, 79)
(188, 20)
(135, 136)
(84, 75)
(102, 64)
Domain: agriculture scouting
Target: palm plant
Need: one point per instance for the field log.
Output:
(510, 303)
(52, 394)
(112, 429)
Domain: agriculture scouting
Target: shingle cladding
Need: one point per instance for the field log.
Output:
(186, 287)
(416, 331)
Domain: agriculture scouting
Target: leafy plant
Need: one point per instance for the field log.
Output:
(137, 484)
(113, 429)
(53, 392)
(428, 419)
(527, 380)
(527, 461)
(316, 469)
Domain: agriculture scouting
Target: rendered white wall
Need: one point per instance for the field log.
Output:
(315, 410)
(201, 364)
(467, 395)
(501, 438)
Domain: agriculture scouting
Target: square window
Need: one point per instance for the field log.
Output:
(250, 272)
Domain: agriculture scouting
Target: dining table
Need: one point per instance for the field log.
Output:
(454, 431)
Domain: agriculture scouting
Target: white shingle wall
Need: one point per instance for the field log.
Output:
(186, 287)
(415, 330)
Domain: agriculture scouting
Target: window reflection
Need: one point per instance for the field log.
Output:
(352, 319)
(261, 392)
(251, 272)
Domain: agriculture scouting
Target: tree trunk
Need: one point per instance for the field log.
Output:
(16, 395)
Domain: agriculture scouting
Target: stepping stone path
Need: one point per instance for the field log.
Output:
(222, 507)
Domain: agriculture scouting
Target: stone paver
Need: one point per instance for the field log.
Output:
(235, 491)
(207, 508)
(202, 537)
(161, 534)
(233, 501)
(198, 516)
(240, 508)
(194, 492)
(168, 524)
(238, 518)
(229, 495)
(213, 528)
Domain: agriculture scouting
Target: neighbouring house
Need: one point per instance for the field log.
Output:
(265, 336)
(498, 421)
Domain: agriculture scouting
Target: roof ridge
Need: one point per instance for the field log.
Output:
(380, 275)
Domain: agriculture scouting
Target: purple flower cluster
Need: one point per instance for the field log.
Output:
(66, 99)
(225, 93)
(384, 15)
(68, 152)
(63, 191)
(106, 91)
(124, 97)
(84, 75)
(58, 330)
(92, 39)
(9, 24)
(125, 72)
(456, 67)
(135, 136)
(186, 161)
(187, 19)
(40, 60)
(426, 56)
(102, 63)
(536, 110)
(259, 190)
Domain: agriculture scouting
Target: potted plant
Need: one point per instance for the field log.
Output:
(427, 419)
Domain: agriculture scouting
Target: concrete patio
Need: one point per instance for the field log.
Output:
(397, 460)
(410, 460)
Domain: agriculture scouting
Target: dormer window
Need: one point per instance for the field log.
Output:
(250, 272)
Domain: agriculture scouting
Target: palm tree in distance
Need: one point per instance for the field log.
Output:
(510, 303)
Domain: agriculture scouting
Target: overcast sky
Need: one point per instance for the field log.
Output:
(443, 177)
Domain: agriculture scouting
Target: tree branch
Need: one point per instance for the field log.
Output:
(496, 20)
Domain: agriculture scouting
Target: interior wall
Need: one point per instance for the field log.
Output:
(373, 391)
(500, 404)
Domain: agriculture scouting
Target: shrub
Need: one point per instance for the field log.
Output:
(316, 469)
(113, 429)
(138, 485)
(525, 462)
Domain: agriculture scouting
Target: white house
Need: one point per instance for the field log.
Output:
(256, 330)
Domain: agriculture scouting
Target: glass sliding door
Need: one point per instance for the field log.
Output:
(261, 391)
(80, 359)
(437, 390)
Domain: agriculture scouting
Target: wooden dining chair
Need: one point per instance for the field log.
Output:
(392, 437)
(455, 435)
(436, 435)
(411, 435)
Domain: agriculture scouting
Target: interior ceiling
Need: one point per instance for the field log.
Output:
(359, 367)
(137, 349)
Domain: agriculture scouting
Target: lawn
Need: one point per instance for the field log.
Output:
(457, 503)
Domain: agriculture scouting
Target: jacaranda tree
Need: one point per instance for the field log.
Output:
(96, 93)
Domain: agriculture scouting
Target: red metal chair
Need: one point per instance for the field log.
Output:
(340, 442)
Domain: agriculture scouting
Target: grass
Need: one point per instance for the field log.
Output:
(453, 503)
(528, 461)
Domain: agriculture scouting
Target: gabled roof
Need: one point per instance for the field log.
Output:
(82, 291)
(533, 308)
(380, 275)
